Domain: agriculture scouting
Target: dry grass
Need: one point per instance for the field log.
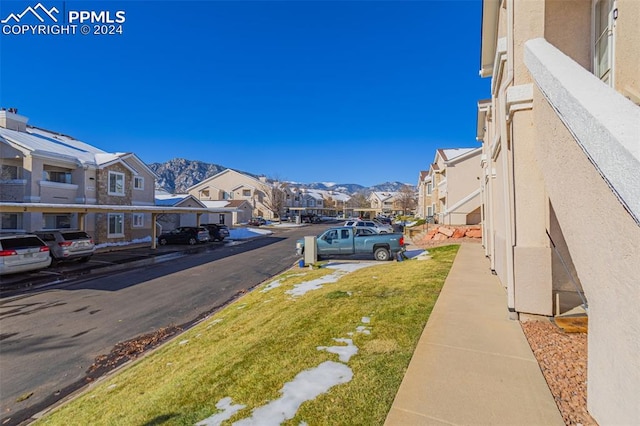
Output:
(253, 347)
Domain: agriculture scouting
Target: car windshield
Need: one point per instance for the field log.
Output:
(15, 243)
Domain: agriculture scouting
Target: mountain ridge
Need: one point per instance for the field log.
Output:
(179, 174)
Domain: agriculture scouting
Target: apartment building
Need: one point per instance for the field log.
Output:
(232, 185)
(384, 202)
(449, 192)
(561, 175)
(42, 166)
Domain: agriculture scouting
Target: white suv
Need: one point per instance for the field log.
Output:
(68, 244)
(21, 253)
(380, 228)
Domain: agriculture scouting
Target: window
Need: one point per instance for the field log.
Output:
(57, 175)
(116, 183)
(138, 182)
(246, 193)
(221, 219)
(603, 39)
(115, 223)
(56, 221)
(138, 220)
(429, 188)
(11, 221)
(8, 172)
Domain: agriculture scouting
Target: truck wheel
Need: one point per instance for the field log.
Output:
(381, 254)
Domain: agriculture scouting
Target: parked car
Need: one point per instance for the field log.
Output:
(218, 232)
(344, 241)
(363, 230)
(310, 218)
(383, 219)
(68, 244)
(257, 221)
(380, 228)
(21, 253)
(185, 235)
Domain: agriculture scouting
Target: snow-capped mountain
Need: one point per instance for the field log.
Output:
(178, 174)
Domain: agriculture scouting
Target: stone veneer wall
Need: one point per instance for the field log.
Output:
(103, 198)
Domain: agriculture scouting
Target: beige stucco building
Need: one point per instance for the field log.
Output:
(232, 185)
(45, 167)
(449, 192)
(561, 175)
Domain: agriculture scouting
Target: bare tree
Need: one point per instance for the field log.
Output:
(358, 200)
(274, 196)
(406, 199)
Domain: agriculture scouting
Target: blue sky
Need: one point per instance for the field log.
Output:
(343, 91)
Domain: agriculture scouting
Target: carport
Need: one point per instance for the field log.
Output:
(82, 209)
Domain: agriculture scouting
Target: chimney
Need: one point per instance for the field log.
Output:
(9, 119)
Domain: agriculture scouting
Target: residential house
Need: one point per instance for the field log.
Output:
(383, 202)
(226, 212)
(561, 175)
(232, 185)
(321, 202)
(170, 221)
(454, 193)
(425, 187)
(41, 166)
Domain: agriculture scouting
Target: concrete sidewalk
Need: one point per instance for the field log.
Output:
(472, 365)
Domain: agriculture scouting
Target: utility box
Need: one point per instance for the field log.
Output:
(310, 250)
(298, 220)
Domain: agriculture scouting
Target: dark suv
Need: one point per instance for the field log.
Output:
(185, 235)
(218, 232)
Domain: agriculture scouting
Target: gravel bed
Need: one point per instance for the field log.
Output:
(563, 360)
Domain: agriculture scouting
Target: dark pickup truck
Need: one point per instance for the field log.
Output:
(344, 241)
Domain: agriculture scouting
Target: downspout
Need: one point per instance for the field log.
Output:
(507, 165)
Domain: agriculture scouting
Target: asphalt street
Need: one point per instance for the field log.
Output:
(51, 333)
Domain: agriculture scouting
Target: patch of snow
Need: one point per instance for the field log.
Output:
(125, 243)
(306, 386)
(245, 233)
(271, 285)
(344, 352)
(363, 329)
(350, 267)
(228, 410)
(341, 270)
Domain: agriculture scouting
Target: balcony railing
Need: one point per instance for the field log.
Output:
(604, 123)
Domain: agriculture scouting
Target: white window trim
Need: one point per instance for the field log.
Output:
(117, 234)
(134, 220)
(594, 36)
(120, 194)
(138, 179)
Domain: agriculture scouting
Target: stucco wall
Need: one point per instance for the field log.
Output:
(567, 25)
(604, 243)
(627, 61)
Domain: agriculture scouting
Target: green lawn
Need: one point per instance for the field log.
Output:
(269, 340)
